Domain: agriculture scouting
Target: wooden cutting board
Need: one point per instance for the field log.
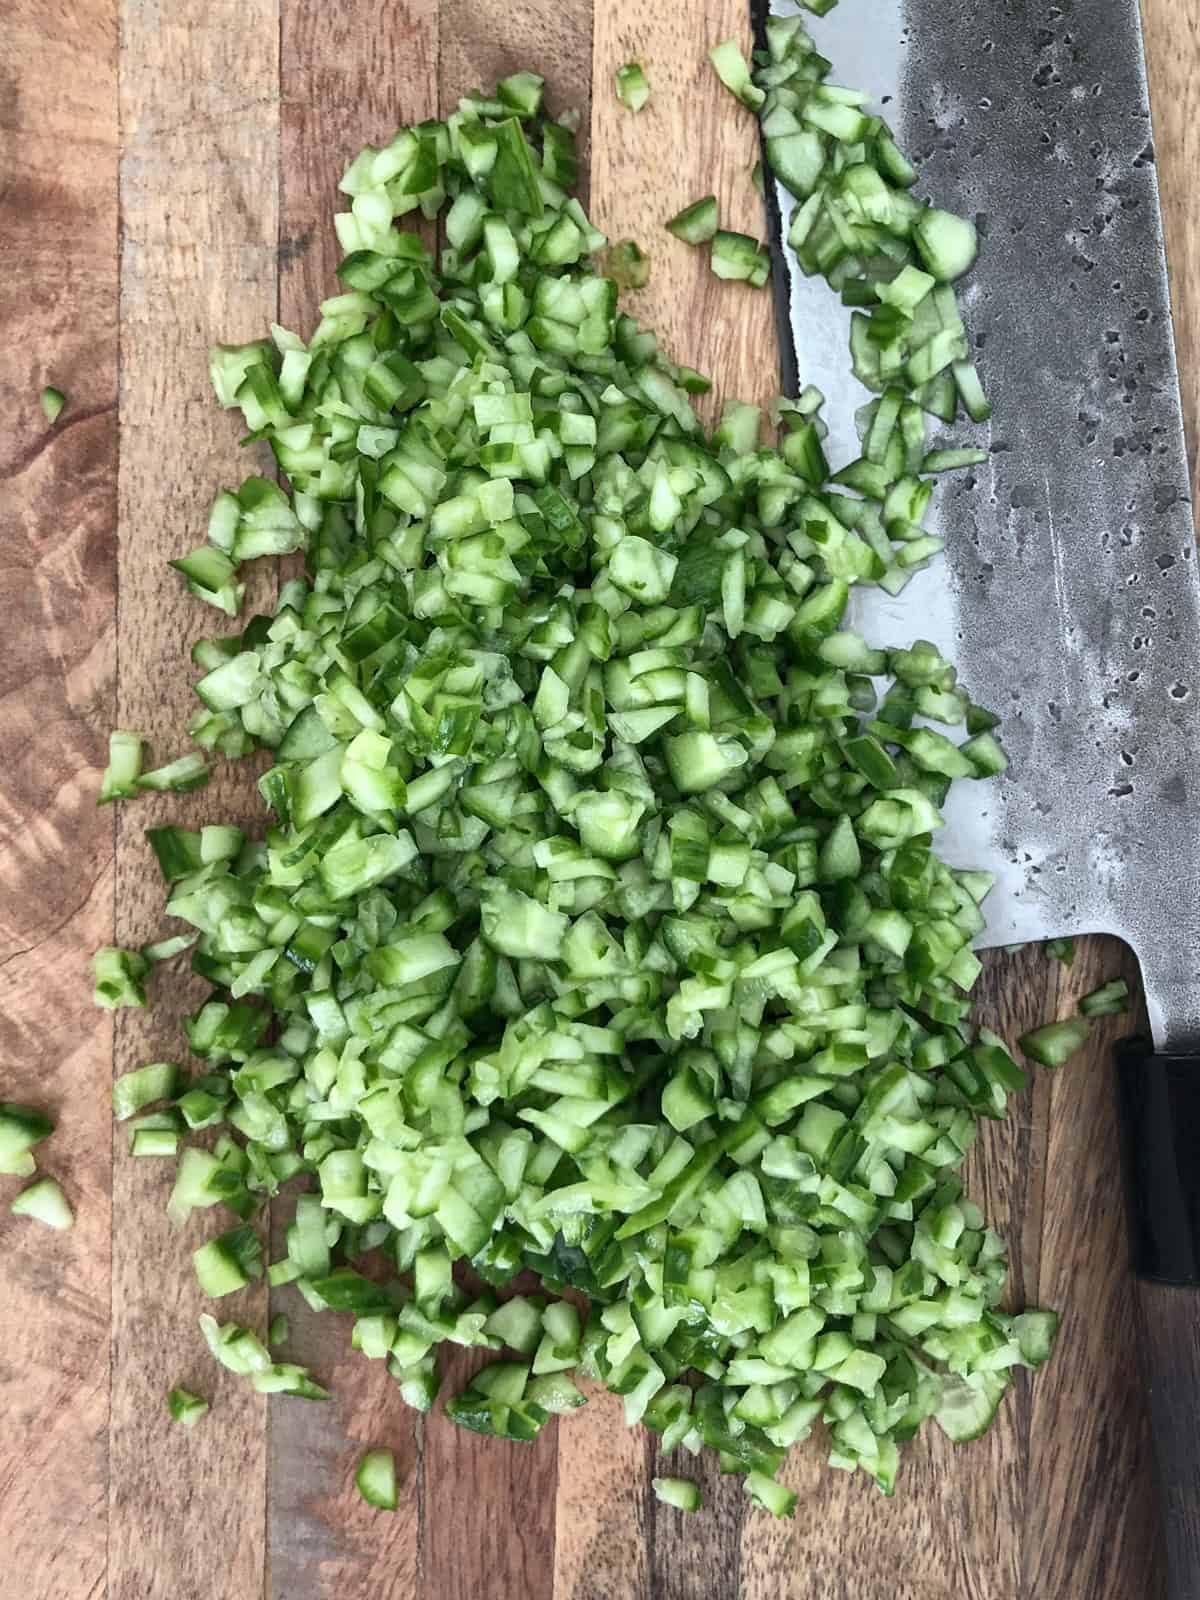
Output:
(166, 180)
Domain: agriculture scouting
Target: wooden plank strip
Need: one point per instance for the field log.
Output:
(199, 114)
(1172, 29)
(483, 41)
(699, 1556)
(1172, 32)
(323, 1540)
(956, 1523)
(603, 1510)
(1097, 1529)
(348, 78)
(488, 1509)
(487, 1505)
(691, 139)
(58, 274)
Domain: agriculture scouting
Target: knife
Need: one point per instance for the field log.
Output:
(1068, 596)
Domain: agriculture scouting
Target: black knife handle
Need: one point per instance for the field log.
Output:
(1160, 1134)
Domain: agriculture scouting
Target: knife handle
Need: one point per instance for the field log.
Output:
(1159, 1102)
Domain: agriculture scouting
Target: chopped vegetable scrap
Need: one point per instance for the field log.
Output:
(598, 926)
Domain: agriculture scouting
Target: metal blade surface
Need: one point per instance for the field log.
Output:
(1068, 596)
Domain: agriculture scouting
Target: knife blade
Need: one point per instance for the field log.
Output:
(1068, 596)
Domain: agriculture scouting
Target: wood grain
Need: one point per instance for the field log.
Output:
(1169, 1337)
(604, 1510)
(1172, 33)
(234, 121)
(1089, 1447)
(199, 110)
(58, 307)
(488, 1515)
